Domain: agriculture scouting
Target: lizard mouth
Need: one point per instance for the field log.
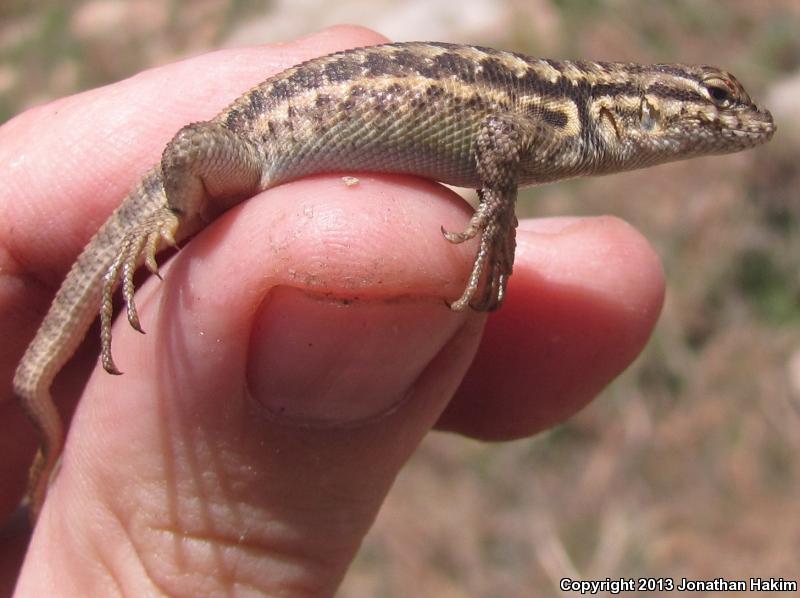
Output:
(768, 126)
(733, 130)
(753, 126)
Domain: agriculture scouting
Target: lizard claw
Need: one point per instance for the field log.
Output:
(455, 238)
(476, 224)
(138, 247)
(150, 250)
(486, 286)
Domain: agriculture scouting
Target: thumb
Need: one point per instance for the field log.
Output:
(297, 352)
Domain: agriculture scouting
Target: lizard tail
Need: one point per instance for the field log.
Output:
(72, 312)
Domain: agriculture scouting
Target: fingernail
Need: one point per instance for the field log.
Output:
(318, 360)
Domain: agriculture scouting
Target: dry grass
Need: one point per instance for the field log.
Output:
(687, 465)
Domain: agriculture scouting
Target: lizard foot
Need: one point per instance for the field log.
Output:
(486, 285)
(139, 246)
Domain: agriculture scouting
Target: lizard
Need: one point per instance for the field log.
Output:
(464, 115)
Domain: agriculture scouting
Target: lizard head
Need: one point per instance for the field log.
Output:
(686, 111)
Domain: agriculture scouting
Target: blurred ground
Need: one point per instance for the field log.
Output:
(687, 465)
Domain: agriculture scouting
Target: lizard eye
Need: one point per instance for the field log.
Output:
(721, 92)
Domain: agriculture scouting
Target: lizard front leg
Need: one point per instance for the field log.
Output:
(205, 169)
(504, 142)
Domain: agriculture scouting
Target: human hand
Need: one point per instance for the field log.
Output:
(297, 350)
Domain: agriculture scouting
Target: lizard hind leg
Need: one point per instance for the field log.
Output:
(205, 169)
(485, 288)
(501, 144)
(500, 267)
(139, 246)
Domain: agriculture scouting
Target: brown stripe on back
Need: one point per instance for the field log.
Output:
(310, 77)
(493, 72)
(456, 65)
(675, 70)
(613, 89)
(682, 93)
(416, 63)
(342, 70)
(377, 64)
(476, 68)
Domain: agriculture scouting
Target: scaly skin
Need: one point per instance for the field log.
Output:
(461, 115)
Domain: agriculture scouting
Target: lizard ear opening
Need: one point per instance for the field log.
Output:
(649, 115)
